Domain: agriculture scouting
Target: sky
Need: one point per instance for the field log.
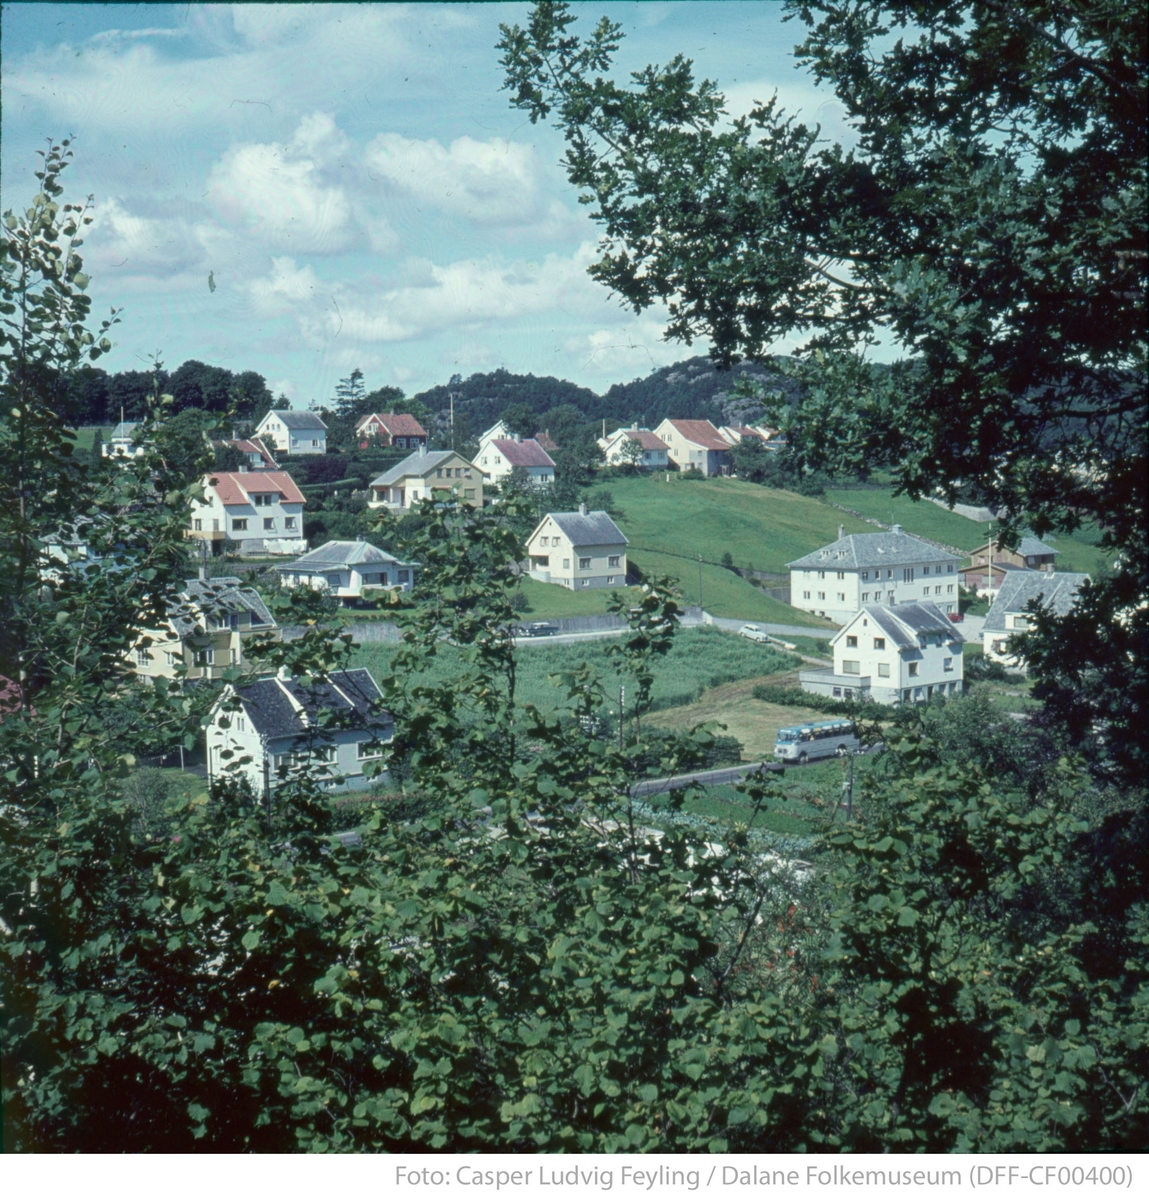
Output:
(351, 178)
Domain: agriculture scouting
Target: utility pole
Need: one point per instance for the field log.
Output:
(621, 703)
(700, 581)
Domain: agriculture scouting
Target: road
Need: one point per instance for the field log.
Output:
(713, 778)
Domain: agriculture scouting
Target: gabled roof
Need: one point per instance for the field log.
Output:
(857, 550)
(247, 446)
(527, 453)
(419, 462)
(646, 439)
(396, 424)
(235, 487)
(545, 440)
(1028, 547)
(280, 708)
(1056, 590)
(341, 554)
(202, 602)
(701, 433)
(586, 529)
(903, 624)
(295, 418)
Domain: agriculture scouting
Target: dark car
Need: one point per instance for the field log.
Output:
(538, 629)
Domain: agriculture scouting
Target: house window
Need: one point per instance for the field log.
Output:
(204, 658)
(865, 574)
(288, 522)
(950, 568)
(333, 581)
(865, 597)
(890, 597)
(584, 564)
(907, 574)
(837, 693)
(841, 574)
(143, 657)
(851, 642)
(938, 590)
(269, 522)
(610, 581)
(851, 666)
(364, 750)
(842, 597)
(566, 564)
(170, 656)
(613, 560)
(586, 583)
(197, 525)
(950, 588)
(261, 501)
(239, 525)
(821, 595)
(889, 573)
(912, 668)
(925, 591)
(805, 595)
(438, 472)
(884, 670)
(821, 574)
(947, 664)
(404, 576)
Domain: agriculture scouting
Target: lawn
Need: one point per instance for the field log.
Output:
(86, 435)
(550, 600)
(700, 658)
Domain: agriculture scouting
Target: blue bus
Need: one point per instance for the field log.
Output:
(820, 739)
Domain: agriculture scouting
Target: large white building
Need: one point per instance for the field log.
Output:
(261, 511)
(498, 458)
(873, 568)
(904, 654)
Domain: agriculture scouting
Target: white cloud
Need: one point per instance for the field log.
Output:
(286, 289)
(632, 349)
(491, 182)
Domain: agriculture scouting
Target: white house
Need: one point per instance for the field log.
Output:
(498, 457)
(333, 729)
(696, 445)
(1055, 590)
(208, 622)
(345, 569)
(262, 511)
(578, 550)
(122, 443)
(873, 568)
(635, 447)
(893, 655)
(259, 457)
(425, 475)
(294, 431)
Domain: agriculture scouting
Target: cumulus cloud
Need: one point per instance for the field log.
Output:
(491, 182)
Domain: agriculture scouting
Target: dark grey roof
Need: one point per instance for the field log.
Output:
(588, 529)
(1055, 589)
(905, 623)
(353, 696)
(297, 418)
(857, 550)
(341, 554)
(206, 605)
(414, 464)
(1031, 546)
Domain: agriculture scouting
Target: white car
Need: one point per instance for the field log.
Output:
(754, 633)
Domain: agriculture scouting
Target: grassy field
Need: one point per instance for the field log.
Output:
(86, 435)
(550, 600)
(700, 658)
(759, 527)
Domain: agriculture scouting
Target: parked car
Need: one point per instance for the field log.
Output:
(537, 629)
(956, 617)
(754, 633)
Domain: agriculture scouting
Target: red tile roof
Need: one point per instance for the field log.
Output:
(701, 433)
(234, 487)
(523, 454)
(396, 424)
(545, 440)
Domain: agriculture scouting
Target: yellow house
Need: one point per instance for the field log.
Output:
(578, 550)
(425, 475)
(205, 631)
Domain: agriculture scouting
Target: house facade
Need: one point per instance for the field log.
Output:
(892, 654)
(205, 631)
(424, 475)
(264, 730)
(991, 563)
(578, 550)
(498, 458)
(695, 446)
(873, 568)
(294, 431)
(1056, 590)
(400, 430)
(122, 444)
(348, 570)
(635, 447)
(261, 511)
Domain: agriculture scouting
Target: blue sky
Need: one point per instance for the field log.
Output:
(352, 177)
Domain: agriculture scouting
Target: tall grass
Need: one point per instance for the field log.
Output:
(699, 659)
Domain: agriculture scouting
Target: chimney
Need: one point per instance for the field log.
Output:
(841, 532)
(895, 529)
(582, 509)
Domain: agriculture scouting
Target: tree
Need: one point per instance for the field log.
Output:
(990, 219)
(520, 418)
(350, 396)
